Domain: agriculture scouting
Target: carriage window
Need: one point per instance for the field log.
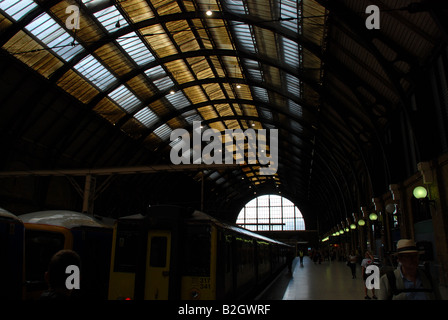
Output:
(126, 249)
(196, 251)
(158, 252)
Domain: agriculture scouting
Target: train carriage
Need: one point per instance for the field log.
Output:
(12, 233)
(47, 232)
(178, 253)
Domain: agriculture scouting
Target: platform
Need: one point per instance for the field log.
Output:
(330, 280)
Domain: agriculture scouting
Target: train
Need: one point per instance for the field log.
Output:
(177, 253)
(12, 237)
(167, 253)
(47, 232)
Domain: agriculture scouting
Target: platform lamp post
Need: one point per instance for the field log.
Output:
(346, 237)
(360, 222)
(373, 218)
(365, 230)
(421, 194)
(390, 210)
(351, 227)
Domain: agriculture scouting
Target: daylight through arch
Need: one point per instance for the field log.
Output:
(270, 213)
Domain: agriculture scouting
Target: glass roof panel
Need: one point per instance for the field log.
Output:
(136, 49)
(163, 132)
(54, 36)
(266, 113)
(291, 52)
(155, 73)
(295, 108)
(261, 93)
(163, 83)
(147, 117)
(253, 69)
(296, 126)
(235, 6)
(110, 18)
(178, 100)
(243, 35)
(94, 71)
(191, 116)
(175, 141)
(125, 98)
(289, 12)
(17, 8)
(293, 85)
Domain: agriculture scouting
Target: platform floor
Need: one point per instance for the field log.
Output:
(325, 281)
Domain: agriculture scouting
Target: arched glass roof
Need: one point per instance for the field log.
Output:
(308, 68)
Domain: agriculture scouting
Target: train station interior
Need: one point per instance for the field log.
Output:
(317, 127)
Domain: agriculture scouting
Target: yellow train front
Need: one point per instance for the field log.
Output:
(177, 253)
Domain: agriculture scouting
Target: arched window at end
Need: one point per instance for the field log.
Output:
(270, 213)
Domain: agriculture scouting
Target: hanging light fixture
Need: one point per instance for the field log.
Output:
(361, 222)
(420, 192)
(373, 216)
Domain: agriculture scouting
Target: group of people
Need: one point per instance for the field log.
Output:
(406, 282)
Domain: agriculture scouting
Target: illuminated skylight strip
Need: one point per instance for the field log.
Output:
(294, 108)
(54, 36)
(293, 85)
(136, 49)
(178, 100)
(18, 8)
(110, 18)
(261, 93)
(235, 6)
(95, 72)
(125, 98)
(253, 69)
(191, 116)
(163, 132)
(147, 117)
(164, 83)
(291, 52)
(243, 34)
(155, 73)
(289, 14)
(159, 77)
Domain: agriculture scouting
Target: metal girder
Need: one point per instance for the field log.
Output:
(117, 170)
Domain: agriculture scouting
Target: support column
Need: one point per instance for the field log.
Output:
(435, 182)
(402, 212)
(89, 194)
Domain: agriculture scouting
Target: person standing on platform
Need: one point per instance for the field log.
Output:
(407, 281)
(368, 260)
(352, 259)
(301, 257)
